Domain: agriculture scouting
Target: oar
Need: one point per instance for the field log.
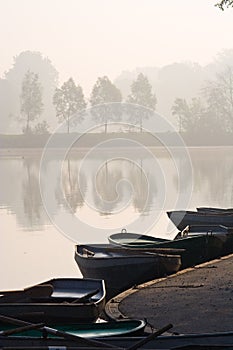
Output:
(56, 332)
(21, 329)
(150, 337)
(45, 290)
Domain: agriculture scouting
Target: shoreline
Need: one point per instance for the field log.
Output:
(27, 151)
(186, 299)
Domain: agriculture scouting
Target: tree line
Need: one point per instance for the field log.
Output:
(39, 96)
(210, 112)
(69, 100)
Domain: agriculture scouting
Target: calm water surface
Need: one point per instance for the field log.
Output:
(95, 195)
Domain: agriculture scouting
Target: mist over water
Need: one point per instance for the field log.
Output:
(70, 69)
(32, 249)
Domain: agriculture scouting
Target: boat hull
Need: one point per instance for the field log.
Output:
(63, 305)
(182, 219)
(196, 247)
(122, 269)
(221, 340)
(215, 210)
(126, 327)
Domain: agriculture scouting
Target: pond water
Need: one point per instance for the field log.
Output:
(47, 207)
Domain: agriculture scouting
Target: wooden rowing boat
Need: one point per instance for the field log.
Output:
(194, 247)
(213, 341)
(126, 327)
(69, 300)
(121, 268)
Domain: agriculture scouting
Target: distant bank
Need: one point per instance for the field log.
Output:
(115, 140)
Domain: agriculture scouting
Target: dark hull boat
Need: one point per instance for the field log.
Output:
(221, 234)
(182, 219)
(213, 341)
(121, 268)
(69, 300)
(126, 327)
(194, 247)
(215, 210)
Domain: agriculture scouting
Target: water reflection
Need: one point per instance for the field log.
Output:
(105, 190)
(20, 193)
(74, 186)
(213, 176)
(118, 183)
(31, 194)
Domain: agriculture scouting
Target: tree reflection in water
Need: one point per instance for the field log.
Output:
(74, 185)
(120, 183)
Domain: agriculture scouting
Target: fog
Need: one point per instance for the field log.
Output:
(112, 113)
(177, 45)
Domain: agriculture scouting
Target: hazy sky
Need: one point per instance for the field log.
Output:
(89, 38)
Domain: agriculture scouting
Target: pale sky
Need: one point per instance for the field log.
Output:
(90, 38)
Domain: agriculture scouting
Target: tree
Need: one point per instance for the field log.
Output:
(225, 3)
(180, 109)
(219, 98)
(48, 75)
(5, 106)
(69, 99)
(103, 95)
(41, 128)
(141, 94)
(190, 115)
(30, 99)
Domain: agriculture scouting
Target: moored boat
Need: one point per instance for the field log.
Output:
(69, 300)
(121, 268)
(134, 240)
(213, 341)
(194, 247)
(215, 210)
(182, 218)
(126, 327)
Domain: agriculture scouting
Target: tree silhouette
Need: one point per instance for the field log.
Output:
(48, 77)
(141, 94)
(69, 99)
(103, 96)
(189, 115)
(30, 99)
(219, 98)
(225, 3)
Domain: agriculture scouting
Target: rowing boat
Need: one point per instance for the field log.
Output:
(194, 247)
(121, 268)
(182, 218)
(69, 300)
